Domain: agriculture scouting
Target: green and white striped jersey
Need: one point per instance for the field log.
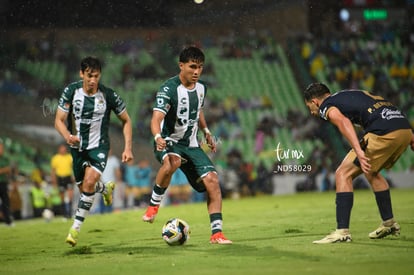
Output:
(182, 110)
(89, 115)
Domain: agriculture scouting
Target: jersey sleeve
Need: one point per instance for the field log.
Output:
(205, 92)
(323, 113)
(163, 99)
(326, 107)
(116, 102)
(65, 99)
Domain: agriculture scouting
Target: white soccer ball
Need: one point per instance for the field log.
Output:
(176, 231)
(48, 215)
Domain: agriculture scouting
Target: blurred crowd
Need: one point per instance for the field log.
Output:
(375, 59)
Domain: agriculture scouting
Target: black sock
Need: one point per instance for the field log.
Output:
(344, 203)
(383, 199)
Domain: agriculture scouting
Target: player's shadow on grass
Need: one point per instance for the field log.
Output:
(390, 242)
(120, 249)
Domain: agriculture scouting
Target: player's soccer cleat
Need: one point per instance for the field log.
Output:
(107, 194)
(339, 235)
(72, 237)
(383, 231)
(219, 238)
(150, 214)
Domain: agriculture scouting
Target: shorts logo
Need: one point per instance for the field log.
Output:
(101, 155)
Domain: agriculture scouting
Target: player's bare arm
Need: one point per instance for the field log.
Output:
(60, 126)
(209, 138)
(157, 118)
(412, 142)
(127, 155)
(347, 129)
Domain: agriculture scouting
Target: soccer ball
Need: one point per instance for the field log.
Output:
(48, 215)
(175, 232)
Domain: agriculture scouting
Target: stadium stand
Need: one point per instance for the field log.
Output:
(268, 86)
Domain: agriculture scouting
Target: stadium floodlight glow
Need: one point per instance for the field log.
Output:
(344, 15)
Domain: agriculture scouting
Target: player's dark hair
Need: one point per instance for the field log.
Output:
(191, 53)
(315, 90)
(92, 63)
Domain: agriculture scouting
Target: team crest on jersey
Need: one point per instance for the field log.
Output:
(100, 102)
(100, 105)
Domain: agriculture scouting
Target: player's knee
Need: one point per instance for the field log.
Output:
(347, 171)
(341, 175)
(170, 164)
(168, 169)
(211, 182)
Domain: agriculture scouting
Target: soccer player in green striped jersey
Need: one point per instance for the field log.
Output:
(82, 119)
(177, 115)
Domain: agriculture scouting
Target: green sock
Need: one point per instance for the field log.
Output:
(216, 222)
(157, 195)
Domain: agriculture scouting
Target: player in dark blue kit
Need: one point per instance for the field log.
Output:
(387, 134)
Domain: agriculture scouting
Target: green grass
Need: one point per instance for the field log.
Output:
(271, 235)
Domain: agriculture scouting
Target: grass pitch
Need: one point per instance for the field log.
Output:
(271, 235)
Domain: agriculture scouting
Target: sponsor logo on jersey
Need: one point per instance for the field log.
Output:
(77, 109)
(160, 102)
(391, 114)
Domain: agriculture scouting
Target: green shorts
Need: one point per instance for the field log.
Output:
(195, 163)
(95, 158)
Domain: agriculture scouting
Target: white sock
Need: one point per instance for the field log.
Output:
(84, 205)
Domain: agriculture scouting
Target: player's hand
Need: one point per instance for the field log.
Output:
(364, 162)
(161, 144)
(73, 140)
(211, 143)
(127, 156)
